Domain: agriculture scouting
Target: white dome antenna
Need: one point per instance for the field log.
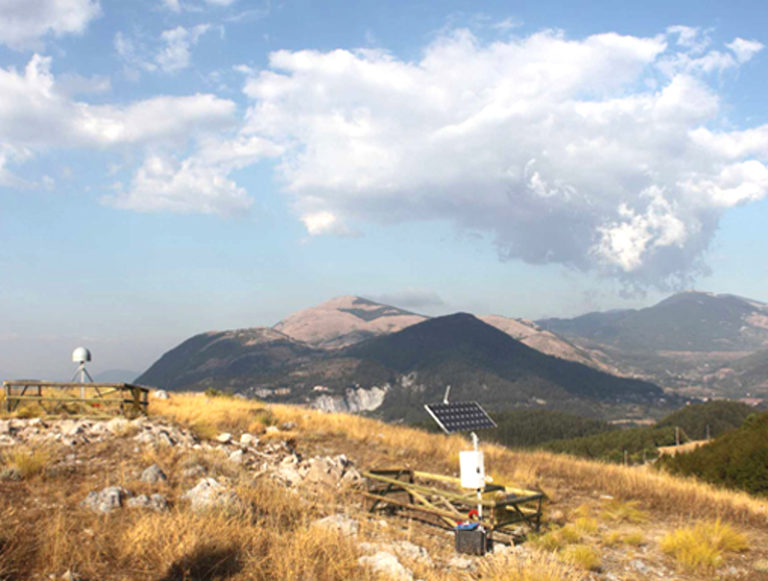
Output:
(81, 356)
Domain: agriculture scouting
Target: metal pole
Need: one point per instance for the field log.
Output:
(476, 445)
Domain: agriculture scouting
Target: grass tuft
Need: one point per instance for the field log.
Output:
(624, 512)
(700, 548)
(582, 556)
(25, 461)
(532, 567)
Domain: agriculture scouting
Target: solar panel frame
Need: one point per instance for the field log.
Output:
(464, 416)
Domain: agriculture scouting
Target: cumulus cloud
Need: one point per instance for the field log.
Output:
(37, 114)
(198, 184)
(175, 53)
(601, 153)
(26, 22)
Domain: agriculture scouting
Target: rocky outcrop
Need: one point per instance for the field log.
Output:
(354, 400)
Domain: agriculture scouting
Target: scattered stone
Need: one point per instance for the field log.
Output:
(557, 517)
(236, 457)
(224, 438)
(164, 438)
(117, 426)
(70, 575)
(340, 523)
(107, 500)
(160, 394)
(412, 551)
(288, 426)
(272, 430)
(71, 427)
(248, 440)
(462, 563)
(145, 438)
(155, 502)
(193, 471)
(208, 493)
(640, 567)
(153, 475)
(352, 478)
(386, 564)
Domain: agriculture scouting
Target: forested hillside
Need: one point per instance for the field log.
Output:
(736, 459)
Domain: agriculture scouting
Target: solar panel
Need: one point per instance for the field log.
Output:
(460, 416)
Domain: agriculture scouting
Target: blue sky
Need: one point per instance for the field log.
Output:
(174, 166)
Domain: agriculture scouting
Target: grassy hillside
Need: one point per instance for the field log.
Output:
(615, 519)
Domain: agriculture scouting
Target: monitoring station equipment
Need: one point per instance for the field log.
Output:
(453, 417)
(81, 356)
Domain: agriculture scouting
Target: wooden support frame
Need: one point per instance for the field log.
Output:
(404, 489)
(92, 399)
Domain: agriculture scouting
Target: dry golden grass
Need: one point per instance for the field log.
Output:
(532, 567)
(558, 539)
(585, 524)
(269, 539)
(582, 556)
(627, 511)
(611, 538)
(26, 461)
(700, 548)
(634, 538)
(208, 416)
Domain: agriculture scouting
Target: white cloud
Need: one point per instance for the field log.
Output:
(169, 54)
(599, 153)
(745, 49)
(172, 5)
(37, 114)
(26, 22)
(318, 223)
(198, 184)
(163, 184)
(34, 112)
(175, 53)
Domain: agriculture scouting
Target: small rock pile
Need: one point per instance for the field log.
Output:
(70, 432)
(115, 497)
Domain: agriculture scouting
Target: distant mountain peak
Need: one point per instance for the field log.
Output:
(345, 320)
